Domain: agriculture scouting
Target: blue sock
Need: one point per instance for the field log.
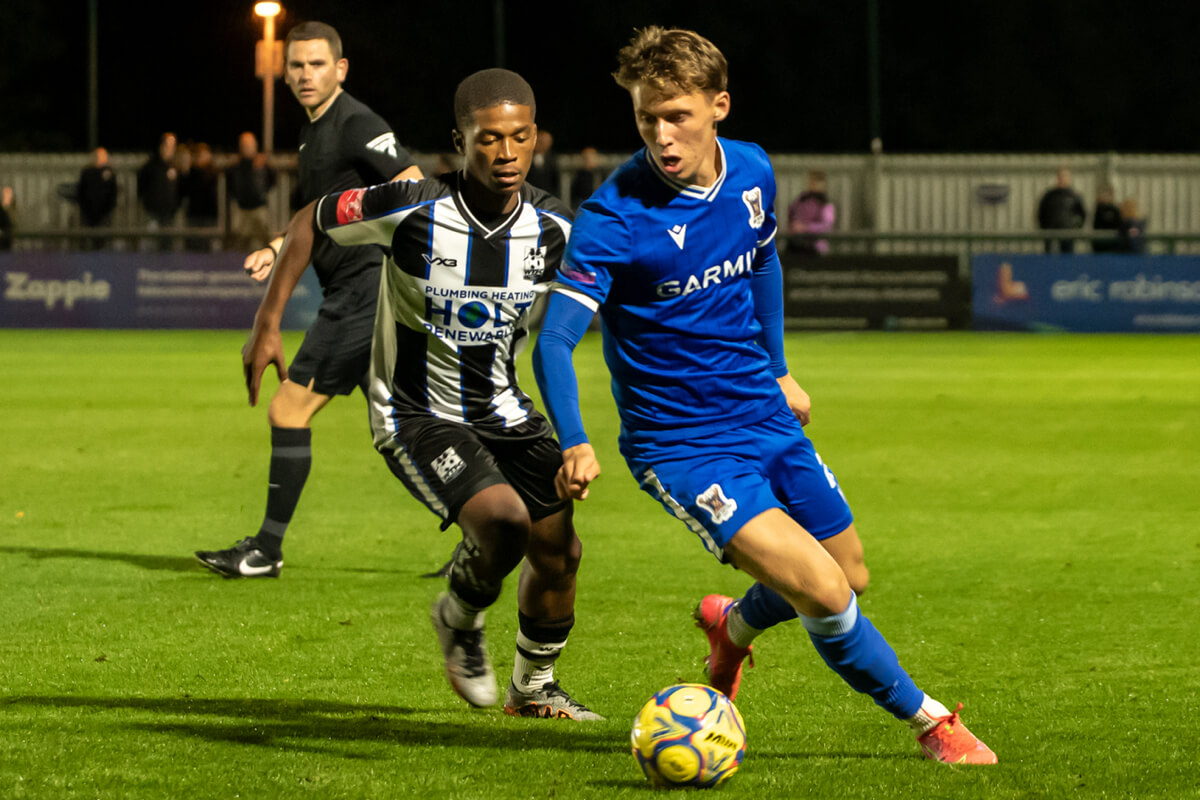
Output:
(853, 649)
(761, 607)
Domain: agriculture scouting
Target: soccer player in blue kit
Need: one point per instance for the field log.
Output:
(675, 252)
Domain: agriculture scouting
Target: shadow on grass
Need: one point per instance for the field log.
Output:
(324, 726)
(159, 563)
(166, 563)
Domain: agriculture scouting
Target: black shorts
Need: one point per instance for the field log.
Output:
(444, 464)
(336, 352)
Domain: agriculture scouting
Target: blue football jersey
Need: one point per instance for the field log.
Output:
(669, 268)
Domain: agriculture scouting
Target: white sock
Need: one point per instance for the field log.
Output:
(533, 666)
(927, 716)
(459, 615)
(740, 633)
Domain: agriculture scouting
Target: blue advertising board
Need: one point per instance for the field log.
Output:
(1089, 293)
(138, 290)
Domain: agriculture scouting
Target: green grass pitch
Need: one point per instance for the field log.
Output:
(1030, 507)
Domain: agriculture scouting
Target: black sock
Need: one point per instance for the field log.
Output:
(291, 458)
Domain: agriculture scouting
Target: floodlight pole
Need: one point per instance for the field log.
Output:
(268, 68)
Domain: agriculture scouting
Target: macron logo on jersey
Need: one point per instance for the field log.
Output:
(349, 206)
(384, 143)
(677, 233)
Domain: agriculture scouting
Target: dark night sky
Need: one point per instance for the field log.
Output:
(1021, 75)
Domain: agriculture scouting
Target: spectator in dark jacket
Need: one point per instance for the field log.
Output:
(248, 182)
(8, 207)
(200, 192)
(1132, 231)
(96, 193)
(158, 185)
(543, 172)
(1107, 218)
(1061, 209)
(587, 178)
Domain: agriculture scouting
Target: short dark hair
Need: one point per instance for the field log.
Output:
(491, 87)
(672, 61)
(307, 31)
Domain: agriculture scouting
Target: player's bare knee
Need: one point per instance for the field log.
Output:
(506, 529)
(285, 412)
(828, 594)
(552, 560)
(858, 576)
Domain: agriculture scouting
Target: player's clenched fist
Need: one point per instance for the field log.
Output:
(258, 264)
(579, 468)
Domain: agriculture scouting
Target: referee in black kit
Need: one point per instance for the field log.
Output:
(343, 145)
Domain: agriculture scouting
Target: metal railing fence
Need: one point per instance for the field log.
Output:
(948, 195)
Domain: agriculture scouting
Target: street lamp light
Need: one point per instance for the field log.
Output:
(268, 65)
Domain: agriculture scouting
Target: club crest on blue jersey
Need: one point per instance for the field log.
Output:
(753, 200)
(534, 263)
(714, 501)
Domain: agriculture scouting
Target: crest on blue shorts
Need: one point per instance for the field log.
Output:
(714, 501)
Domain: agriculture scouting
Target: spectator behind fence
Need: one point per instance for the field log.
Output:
(445, 162)
(249, 181)
(1061, 209)
(96, 193)
(1107, 217)
(158, 188)
(811, 212)
(199, 183)
(8, 210)
(544, 171)
(587, 177)
(1132, 230)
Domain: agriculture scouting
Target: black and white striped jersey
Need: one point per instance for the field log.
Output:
(455, 298)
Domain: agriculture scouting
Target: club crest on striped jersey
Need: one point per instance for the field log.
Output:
(448, 465)
(718, 506)
(349, 206)
(534, 263)
(754, 204)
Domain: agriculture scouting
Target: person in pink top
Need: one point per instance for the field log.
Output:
(811, 212)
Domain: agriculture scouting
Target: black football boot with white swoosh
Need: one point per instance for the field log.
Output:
(246, 559)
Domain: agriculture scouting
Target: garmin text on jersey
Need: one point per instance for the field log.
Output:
(711, 276)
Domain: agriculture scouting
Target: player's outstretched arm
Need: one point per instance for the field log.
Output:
(565, 323)
(412, 173)
(264, 345)
(767, 288)
(259, 262)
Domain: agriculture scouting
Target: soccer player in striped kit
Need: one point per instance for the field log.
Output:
(675, 252)
(471, 253)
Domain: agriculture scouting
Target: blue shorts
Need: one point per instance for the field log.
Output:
(719, 482)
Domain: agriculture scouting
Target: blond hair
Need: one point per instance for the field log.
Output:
(672, 61)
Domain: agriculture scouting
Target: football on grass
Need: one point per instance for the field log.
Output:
(688, 735)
